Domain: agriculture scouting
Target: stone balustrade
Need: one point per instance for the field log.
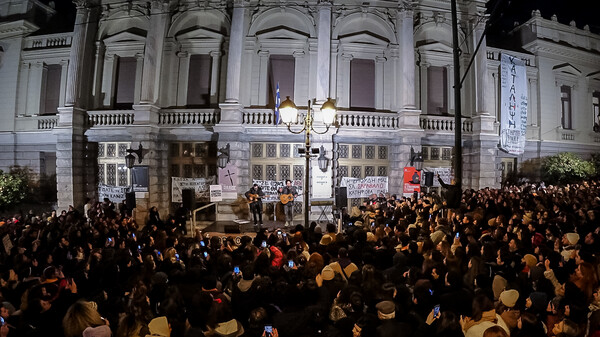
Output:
(344, 119)
(443, 124)
(49, 41)
(110, 118)
(47, 123)
(188, 117)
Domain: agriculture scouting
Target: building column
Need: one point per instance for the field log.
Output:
(323, 51)
(301, 78)
(343, 86)
(236, 48)
(108, 78)
(22, 96)
(423, 69)
(215, 57)
(379, 81)
(480, 70)
(74, 179)
(34, 90)
(231, 114)
(153, 54)
(182, 82)
(263, 81)
(98, 71)
(139, 84)
(407, 56)
(86, 22)
(63, 82)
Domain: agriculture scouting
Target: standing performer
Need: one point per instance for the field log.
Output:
(254, 196)
(287, 195)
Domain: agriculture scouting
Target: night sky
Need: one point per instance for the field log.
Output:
(582, 11)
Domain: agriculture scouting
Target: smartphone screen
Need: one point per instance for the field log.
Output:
(202, 244)
(177, 257)
(436, 310)
(457, 235)
(236, 269)
(268, 329)
(291, 264)
(264, 244)
(205, 254)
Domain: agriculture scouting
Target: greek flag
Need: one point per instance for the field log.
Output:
(277, 103)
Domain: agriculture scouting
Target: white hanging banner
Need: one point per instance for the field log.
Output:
(513, 104)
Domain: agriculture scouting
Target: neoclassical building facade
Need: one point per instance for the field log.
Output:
(185, 78)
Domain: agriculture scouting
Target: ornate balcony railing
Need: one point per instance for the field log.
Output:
(356, 119)
(189, 117)
(379, 120)
(443, 124)
(110, 118)
(47, 123)
(49, 41)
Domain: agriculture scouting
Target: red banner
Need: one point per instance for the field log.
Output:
(412, 181)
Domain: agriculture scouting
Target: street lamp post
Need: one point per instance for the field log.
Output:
(289, 114)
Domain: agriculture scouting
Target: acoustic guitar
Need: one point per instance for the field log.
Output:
(253, 197)
(285, 198)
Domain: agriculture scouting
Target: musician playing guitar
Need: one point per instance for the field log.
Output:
(254, 196)
(288, 193)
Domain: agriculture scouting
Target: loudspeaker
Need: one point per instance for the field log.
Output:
(188, 197)
(231, 229)
(341, 199)
(428, 178)
(130, 200)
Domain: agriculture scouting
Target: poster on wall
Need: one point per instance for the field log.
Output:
(200, 185)
(513, 104)
(321, 183)
(411, 181)
(216, 193)
(228, 179)
(139, 178)
(363, 188)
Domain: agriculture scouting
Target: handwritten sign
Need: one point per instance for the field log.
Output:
(271, 187)
(444, 172)
(200, 185)
(513, 104)
(113, 193)
(216, 193)
(363, 188)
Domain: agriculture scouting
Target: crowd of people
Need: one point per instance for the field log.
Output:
(517, 261)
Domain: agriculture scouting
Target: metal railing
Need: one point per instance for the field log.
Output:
(194, 212)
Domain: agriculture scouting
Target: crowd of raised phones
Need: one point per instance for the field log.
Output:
(517, 261)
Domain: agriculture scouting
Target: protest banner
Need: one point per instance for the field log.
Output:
(363, 188)
(115, 194)
(200, 185)
(270, 188)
